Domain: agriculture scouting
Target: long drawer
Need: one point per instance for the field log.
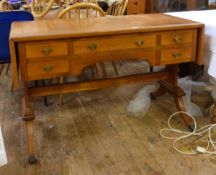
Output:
(118, 43)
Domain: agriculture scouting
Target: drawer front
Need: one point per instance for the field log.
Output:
(40, 70)
(46, 49)
(136, 7)
(177, 37)
(114, 44)
(171, 56)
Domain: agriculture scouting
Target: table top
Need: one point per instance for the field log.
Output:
(68, 28)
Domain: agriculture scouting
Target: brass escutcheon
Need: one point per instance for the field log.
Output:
(92, 47)
(176, 55)
(46, 51)
(48, 68)
(139, 42)
(177, 39)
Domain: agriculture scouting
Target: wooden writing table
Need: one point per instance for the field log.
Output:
(55, 48)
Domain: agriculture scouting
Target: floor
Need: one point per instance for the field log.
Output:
(92, 134)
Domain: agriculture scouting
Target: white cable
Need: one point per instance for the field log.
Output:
(196, 132)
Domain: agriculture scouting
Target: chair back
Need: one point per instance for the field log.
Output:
(39, 8)
(81, 10)
(5, 6)
(117, 8)
(6, 18)
(81, 1)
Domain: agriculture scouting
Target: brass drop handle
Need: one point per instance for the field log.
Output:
(176, 55)
(139, 42)
(92, 47)
(46, 51)
(177, 39)
(48, 68)
(135, 3)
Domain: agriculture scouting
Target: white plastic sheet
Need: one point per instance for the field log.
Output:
(186, 85)
(141, 102)
(214, 93)
(3, 156)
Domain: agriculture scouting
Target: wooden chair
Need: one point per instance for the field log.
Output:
(78, 11)
(5, 6)
(84, 1)
(39, 8)
(82, 10)
(118, 8)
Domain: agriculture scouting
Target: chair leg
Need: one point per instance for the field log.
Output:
(151, 68)
(92, 71)
(7, 69)
(61, 80)
(1, 68)
(115, 68)
(97, 68)
(12, 87)
(103, 69)
(44, 98)
(213, 119)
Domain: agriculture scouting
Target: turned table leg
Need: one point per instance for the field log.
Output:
(214, 113)
(28, 117)
(171, 85)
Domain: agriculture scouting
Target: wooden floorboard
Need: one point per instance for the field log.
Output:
(92, 133)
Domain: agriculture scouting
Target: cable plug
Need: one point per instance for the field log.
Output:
(200, 150)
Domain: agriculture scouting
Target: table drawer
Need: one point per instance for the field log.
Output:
(114, 44)
(177, 37)
(47, 68)
(136, 7)
(49, 49)
(170, 56)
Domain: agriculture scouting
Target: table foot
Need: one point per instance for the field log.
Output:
(180, 106)
(160, 91)
(191, 127)
(213, 111)
(177, 93)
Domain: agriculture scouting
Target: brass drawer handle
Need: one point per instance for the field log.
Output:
(92, 47)
(48, 68)
(135, 3)
(176, 55)
(139, 42)
(46, 51)
(177, 39)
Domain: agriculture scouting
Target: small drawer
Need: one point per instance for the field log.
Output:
(41, 70)
(49, 49)
(177, 37)
(114, 44)
(136, 7)
(171, 56)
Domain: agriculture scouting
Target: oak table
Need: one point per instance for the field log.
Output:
(55, 48)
